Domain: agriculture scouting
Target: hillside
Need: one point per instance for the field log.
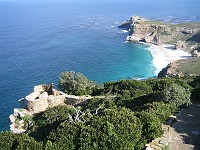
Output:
(184, 36)
(182, 68)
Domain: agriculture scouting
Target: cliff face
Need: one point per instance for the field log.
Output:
(43, 97)
(184, 36)
(182, 68)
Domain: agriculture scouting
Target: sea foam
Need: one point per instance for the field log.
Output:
(164, 54)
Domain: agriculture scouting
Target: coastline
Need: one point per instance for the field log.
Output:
(165, 54)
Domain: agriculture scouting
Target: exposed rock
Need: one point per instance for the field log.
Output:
(149, 148)
(44, 96)
(181, 68)
(195, 53)
(164, 142)
(185, 30)
(15, 129)
(17, 122)
(185, 36)
(12, 118)
(181, 45)
(170, 70)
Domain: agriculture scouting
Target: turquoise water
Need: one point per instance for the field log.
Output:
(41, 39)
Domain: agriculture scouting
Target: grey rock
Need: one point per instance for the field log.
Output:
(164, 142)
(12, 118)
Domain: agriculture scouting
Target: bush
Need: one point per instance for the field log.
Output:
(161, 110)
(76, 84)
(127, 88)
(11, 141)
(176, 95)
(151, 125)
(111, 129)
(158, 85)
(49, 120)
(195, 94)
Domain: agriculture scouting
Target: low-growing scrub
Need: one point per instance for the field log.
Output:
(129, 114)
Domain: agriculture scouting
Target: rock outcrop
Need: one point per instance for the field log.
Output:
(195, 53)
(43, 97)
(17, 119)
(181, 68)
(183, 36)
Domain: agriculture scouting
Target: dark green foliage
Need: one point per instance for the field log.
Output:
(176, 95)
(160, 109)
(127, 88)
(195, 93)
(56, 114)
(50, 119)
(11, 141)
(128, 115)
(100, 103)
(151, 125)
(112, 129)
(77, 84)
(160, 84)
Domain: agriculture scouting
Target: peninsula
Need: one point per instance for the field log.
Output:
(177, 37)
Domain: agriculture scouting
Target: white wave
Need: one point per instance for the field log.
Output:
(124, 31)
(112, 26)
(164, 54)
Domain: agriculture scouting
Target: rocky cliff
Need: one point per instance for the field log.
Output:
(43, 97)
(184, 36)
(181, 68)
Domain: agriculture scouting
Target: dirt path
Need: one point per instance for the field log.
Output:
(184, 133)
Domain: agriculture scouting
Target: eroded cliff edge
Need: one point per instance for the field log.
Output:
(184, 36)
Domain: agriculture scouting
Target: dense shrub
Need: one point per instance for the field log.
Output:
(56, 114)
(195, 93)
(177, 95)
(130, 113)
(11, 141)
(151, 125)
(76, 84)
(127, 88)
(158, 85)
(112, 129)
(49, 120)
(101, 103)
(160, 109)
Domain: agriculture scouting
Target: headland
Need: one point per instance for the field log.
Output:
(167, 42)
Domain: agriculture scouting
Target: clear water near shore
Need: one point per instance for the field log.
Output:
(41, 39)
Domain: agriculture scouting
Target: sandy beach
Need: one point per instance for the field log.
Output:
(164, 54)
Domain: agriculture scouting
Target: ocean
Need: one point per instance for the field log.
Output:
(41, 39)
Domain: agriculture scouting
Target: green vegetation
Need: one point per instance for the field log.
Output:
(13, 141)
(77, 84)
(189, 67)
(177, 95)
(156, 22)
(129, 115)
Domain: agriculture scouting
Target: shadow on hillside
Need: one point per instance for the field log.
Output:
(188, 125)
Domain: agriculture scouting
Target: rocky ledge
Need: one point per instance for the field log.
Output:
(184, 36)
(43, 97)
(182, 68)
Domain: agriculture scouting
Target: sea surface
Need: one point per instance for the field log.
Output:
(40, 39)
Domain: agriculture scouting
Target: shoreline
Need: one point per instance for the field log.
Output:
(164, 54)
